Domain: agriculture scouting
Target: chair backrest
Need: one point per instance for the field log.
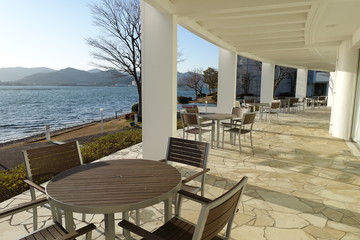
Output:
(188, 152)
(190, 119)
(294, 100)
(194, 109)
(275, 104)
(249, 101)
(218, 213)
(239, 111)
(48, 161)
(248, 118)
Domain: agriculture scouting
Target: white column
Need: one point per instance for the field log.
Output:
(345, 83)
(226, 81)
(159, 81)
(301, 83)
(331, 89)
(332, 83)
(267, 82)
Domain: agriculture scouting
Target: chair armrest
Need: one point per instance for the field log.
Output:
(138, 230)
(30, 183)
(194, 197)
(78, 232)
(23, 207)
(188, 179)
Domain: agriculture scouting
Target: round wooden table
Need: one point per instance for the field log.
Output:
(113, 186)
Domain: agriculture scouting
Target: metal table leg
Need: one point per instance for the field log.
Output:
(109, 226)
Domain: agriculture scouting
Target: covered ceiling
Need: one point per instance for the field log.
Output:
(296, 33)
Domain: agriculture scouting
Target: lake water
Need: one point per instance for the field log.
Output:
(24, 111)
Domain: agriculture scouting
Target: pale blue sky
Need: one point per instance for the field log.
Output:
(51, 33)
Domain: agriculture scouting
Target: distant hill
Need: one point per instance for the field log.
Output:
(16, 73)
(73, 77)
(66, 77)
(95, 70)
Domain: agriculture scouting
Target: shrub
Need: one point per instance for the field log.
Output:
(129, 116)
(214, 97)
(201, 95)
(12, 180)
(179, 124)
(109, 144)
(184, 100)
(135, 108)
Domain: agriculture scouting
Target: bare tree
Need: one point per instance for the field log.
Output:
(119, 45)
(246, 79)
(211, 79)
(194, 80)
(281, 73)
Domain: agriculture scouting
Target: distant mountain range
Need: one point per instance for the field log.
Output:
(16, 73)
(65, 77)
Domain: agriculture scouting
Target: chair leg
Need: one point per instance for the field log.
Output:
(240, 142)
(35, 213)
(203, 185)
(35, 225)
(251, 140)
(212, 139)
(137, 217)
(223, 133)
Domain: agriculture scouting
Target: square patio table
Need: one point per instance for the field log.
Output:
(261, 106)
(217, 117)
(113, 186)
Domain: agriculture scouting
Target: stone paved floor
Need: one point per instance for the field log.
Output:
(303, 184)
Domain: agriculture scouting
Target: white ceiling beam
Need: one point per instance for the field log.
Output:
(252, 42)
(259, 29)
(255, 36)
(256, 21)
(204, 7)
(253, 13)
(272, 47)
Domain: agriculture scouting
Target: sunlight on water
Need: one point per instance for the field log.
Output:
(24, 111)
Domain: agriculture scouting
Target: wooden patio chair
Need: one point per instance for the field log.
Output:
(274, 109)
(194, 109)
(192, 124)
(244, 128)
(214, 216)
(191, 153)
(293, 102)
(321, 101)
(52, 232)
(44, 163)
(239, 112)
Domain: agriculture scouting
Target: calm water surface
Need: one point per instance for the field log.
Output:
(24, 111)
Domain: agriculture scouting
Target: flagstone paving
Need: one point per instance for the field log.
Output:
(303, 184)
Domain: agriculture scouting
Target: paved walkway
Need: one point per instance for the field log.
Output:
(303, 184)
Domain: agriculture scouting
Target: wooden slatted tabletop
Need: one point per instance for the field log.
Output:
(113, 186)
